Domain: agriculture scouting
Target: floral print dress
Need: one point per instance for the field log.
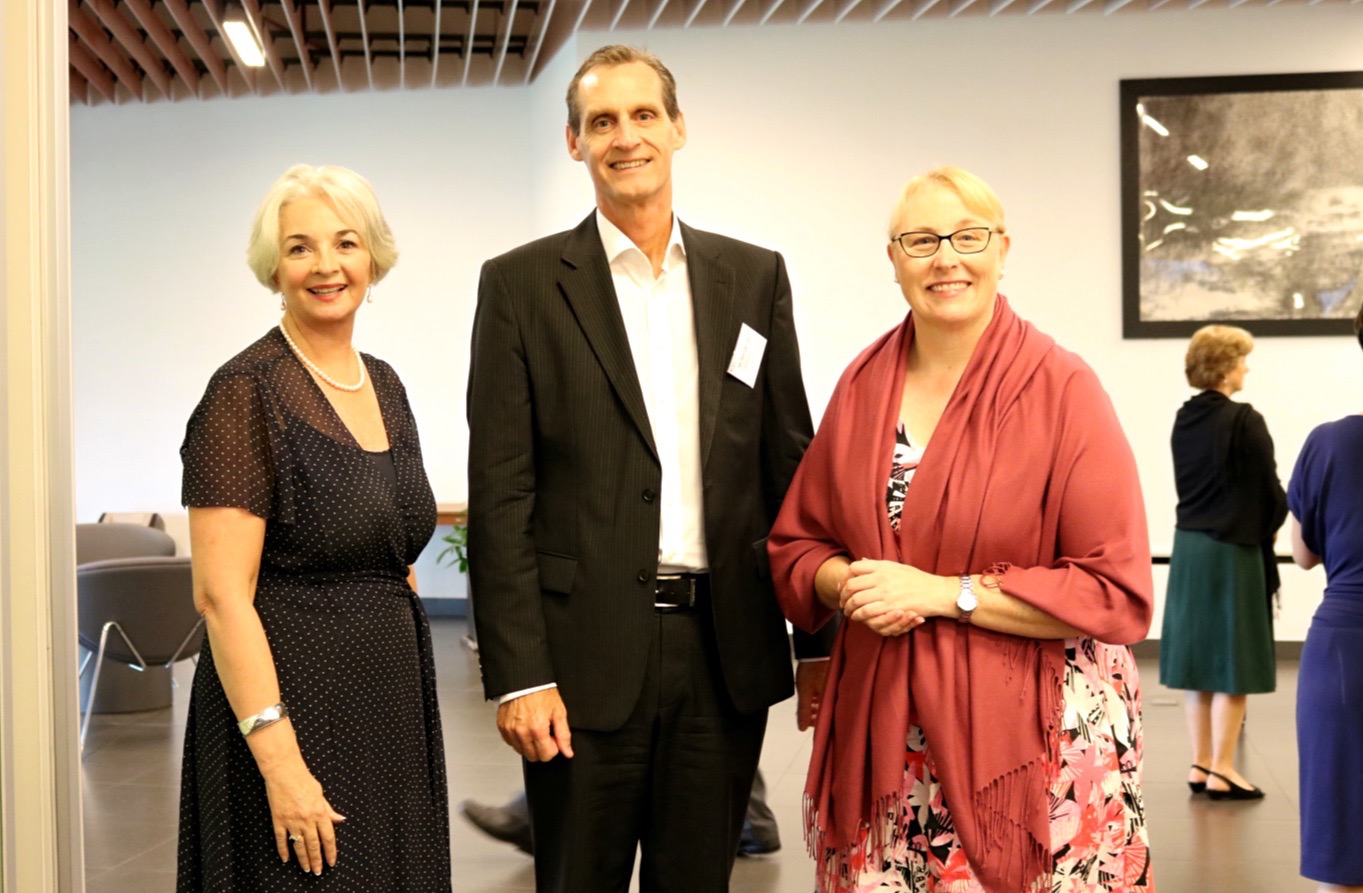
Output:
(1098, 830)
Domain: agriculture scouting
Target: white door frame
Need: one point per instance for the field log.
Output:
(40, 807)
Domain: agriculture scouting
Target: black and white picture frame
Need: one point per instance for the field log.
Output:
(1242, 203)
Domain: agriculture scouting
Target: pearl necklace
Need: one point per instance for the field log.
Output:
(318, 372)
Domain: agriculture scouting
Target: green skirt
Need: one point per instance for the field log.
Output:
(1217, 633)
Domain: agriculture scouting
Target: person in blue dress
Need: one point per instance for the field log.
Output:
(1324, 495)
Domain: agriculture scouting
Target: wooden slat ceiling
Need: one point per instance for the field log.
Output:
(164, 50)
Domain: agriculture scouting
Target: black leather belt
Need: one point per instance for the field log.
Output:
(680, 592)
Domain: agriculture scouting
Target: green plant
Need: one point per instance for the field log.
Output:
(457, 550)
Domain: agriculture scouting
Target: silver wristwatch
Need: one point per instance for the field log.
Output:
(267, 717)
(966, 601)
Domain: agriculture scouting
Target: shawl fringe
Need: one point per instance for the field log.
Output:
(995, 808)
(871, 840)
(1000, 801)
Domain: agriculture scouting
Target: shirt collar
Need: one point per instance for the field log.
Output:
(616, 243)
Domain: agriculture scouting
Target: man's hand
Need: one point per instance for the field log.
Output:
(536, 726)
(810, 676)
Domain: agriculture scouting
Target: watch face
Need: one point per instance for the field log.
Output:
(967, 601)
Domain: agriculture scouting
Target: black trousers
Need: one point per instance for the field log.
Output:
(673, 782)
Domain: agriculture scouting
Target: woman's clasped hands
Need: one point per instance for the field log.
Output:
(892, 598)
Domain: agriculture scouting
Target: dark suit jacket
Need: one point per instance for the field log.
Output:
(564, 476)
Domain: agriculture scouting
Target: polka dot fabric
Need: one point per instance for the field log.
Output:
(349, 638)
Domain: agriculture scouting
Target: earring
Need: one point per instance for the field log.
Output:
(281, 303)
(1002, 273)
(369, 295)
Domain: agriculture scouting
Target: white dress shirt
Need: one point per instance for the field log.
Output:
(660, 325)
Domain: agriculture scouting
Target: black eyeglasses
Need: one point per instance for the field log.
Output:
(971, 240)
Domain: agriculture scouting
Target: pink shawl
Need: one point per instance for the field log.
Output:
(1027, 477)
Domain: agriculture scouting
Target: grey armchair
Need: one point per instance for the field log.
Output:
(99, 542)
(138, 611)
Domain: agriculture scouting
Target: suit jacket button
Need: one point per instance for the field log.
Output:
(649, 496)
(643, 576)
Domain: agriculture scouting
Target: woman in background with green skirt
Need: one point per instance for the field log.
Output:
(1217, 640)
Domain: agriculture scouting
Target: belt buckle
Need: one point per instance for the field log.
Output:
(669, 598)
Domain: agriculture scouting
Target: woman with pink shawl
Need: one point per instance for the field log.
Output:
(971, 506)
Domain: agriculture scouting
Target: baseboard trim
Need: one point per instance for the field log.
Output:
(1149, 649)
(446, 607)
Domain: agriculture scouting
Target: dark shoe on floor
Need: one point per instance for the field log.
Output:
(750, 844)
(1198, 787)
(505, 823)
(1235, 793)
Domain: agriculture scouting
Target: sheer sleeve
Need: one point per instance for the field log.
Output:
(227, 454)
(397, 408)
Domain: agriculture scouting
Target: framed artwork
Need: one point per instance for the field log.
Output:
(1242, 203)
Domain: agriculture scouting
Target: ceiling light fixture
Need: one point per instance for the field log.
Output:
(241, 34)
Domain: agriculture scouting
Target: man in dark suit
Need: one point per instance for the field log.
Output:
(635, 415)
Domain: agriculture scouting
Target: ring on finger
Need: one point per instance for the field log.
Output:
(296, 838)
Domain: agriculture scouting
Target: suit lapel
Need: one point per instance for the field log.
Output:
(586, 282)
(712, 303)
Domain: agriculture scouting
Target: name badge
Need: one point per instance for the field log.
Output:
(747, 355)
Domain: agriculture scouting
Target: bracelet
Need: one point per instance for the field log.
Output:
(267, 717)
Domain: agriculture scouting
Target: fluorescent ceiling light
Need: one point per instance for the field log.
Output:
(1198, 162)
(244, 42)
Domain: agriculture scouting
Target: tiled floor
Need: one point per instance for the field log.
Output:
(131, 776)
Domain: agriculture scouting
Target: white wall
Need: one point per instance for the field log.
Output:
(563, 191)
(799, 139)
(163, 198)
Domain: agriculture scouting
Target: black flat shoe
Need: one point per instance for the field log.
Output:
(1235, 793)
(1198, 787)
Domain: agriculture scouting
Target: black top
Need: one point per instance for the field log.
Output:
(265, 438)
(387, 467)
(1225, 472)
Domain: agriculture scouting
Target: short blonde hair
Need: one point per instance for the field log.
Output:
(975, 194)
(1213, 352)
(354, 200)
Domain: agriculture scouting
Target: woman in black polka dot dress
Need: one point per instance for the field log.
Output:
(313, 756)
